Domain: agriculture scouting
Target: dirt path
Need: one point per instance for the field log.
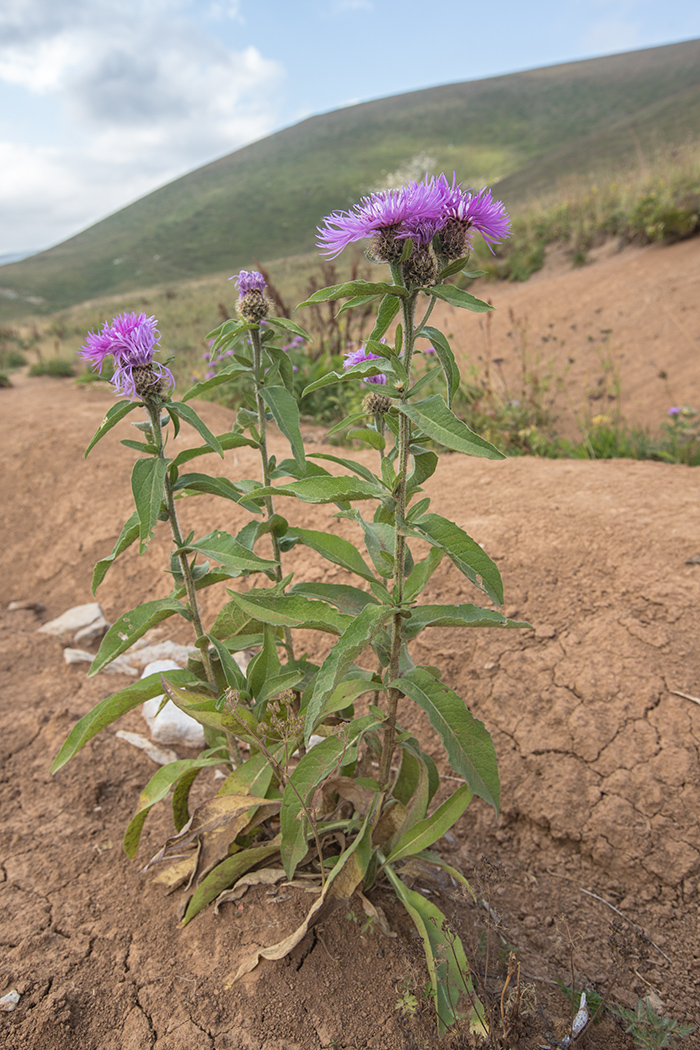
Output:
(599, 756)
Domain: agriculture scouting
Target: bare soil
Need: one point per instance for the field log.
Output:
(598, 752)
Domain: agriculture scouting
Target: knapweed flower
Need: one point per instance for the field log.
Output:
(388, 216)
(131, 340)
(252, 304)
(358, 357)
(675, 411)
(467, 210)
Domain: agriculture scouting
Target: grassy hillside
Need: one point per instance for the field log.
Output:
(526, 132)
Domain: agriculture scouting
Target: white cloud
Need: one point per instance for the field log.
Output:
(145, 96)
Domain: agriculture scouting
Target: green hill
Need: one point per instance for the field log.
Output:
(525, 131)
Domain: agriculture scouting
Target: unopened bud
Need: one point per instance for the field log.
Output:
(421, 268)
(376, 404)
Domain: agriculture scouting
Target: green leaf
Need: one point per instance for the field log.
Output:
(113, 416)
(253, 777)
(285, 411)
(440, 423)
(132, 625)
(235, 679)
(445, 357)
(195, 483)
(226, 441)
(455, 616)
(286, 610)
(326, 490)
(425, 465)
(357, 468)
(388, 309)
(224, 375)
(351, 288)
(348, 691)
(188, 414)
(350, 600)
(224, 548)
(454, 267)
(467, 741)
(447, 964)
(347, 422)
(157, 788)
(453, 295)
(226, 874)
(312, 769)
(200, 706)
(371, 437)
(130, 530)
(427, 831)
(357, 300)
(335, 549)
(148, 486)
(264, 665)
(349, 646)
(112, 708)
(463, 552)
(361, 371)
(289, 326)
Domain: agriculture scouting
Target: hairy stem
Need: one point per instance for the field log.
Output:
(259, 379)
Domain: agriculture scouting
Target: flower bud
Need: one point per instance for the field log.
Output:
(376, 404)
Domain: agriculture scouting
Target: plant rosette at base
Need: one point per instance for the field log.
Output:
(347, 796)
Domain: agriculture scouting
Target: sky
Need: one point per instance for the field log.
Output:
(103, 101)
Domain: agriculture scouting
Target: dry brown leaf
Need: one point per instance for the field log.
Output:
(265, 876)
(373, 911)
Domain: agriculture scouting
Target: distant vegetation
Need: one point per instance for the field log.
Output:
(532, 134)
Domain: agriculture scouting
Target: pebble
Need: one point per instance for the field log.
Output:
(9, 1001)
(74, 620)
(169, 725)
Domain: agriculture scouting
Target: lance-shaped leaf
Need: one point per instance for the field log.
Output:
(440, 423)
(264, 665)
(285, 411)
(200, 706)
(253, 777)
(349, 646)
(287, 610)
(224, 548)
(455, 616)
(113, 416)
(226, 441)
(351, 288)
(147, 486)
(326, 490)
(157, 788)
(425, 832)
(357, 468)
(316, 765)
(417, 581)
(360, 371)
(186, 412)
(129, 628)
(225, 375)
(447, 964)
(130, 530)
(235, 679)
(388, 309)
(445, 357)
(471, 560)
(335, 549)
(112, 708)
(453, 295)
(194, 483)
(226, 874)
(467, 741)
(350, 600)
(288, 326)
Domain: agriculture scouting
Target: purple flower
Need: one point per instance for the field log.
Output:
(131, 340)
(475, 211)
(358, 357)
(247, 280)
(675, 411)
(409, 211)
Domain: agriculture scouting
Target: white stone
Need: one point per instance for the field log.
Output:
(160, 755)
(171, 725)
(118, 666)
(92, 632)
(73, 620)
(9, 1001)
(77, 656)
(178, 654)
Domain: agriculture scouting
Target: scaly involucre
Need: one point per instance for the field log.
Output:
(131, 340)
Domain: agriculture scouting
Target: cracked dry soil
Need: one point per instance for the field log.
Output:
(598, 758)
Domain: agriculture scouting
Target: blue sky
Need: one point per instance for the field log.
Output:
(102, 101)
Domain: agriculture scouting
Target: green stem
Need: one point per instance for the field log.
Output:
(259, 381)
(404, 442)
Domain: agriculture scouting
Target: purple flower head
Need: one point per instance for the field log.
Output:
(476, 211)
(385, 215)
(675, 411)
(131, 340)
(358, 357)
(248, 280)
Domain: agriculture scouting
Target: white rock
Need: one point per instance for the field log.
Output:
(92, 632)
(77, 656)
(118, 666)
(171, 725)
(9, 1002)
(160, 755)
(178, 654)
(36, 607)
(73, 620)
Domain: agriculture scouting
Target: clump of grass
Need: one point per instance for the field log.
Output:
(55, 368)
(649, 1029)
(660, 202)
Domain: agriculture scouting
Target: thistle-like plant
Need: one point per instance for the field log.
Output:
(303, 764)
